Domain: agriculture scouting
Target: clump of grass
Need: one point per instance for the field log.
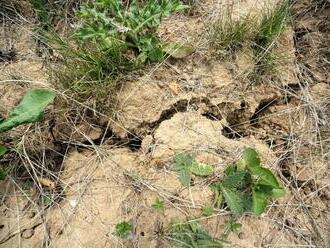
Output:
(272, 25)
(227, 35)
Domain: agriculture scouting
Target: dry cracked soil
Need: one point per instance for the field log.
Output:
(79, 172)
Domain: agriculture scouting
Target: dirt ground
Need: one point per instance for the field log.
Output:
(78, 173)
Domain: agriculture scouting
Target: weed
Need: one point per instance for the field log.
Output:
(247, 187)
(110, 40)
(123, 229)
(159, 206)
(191, 234)
(185, 165)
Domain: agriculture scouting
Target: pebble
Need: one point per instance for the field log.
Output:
(28, 233)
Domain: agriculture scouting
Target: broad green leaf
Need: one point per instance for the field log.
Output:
(277, 193)
(29, 110)
(183, 163)
(3, 150)
(237, 180)
(184, 177)
(265, 177)
(201, 169)
(178, 51)
(259, 202)
(230, 169)
(251, 158)
(183, 160)
(234, 199)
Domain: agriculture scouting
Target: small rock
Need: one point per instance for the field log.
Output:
(31, 214)
(241, 235)
(28, 233)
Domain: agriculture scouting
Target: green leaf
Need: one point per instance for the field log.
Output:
(265, 177)
(251, 158)
(232, 225)
(201, 169)
(159, 205)
(234, 199)
(183, 160)
(207, 210)
(230, 169)
(279, 192)
(3, 150)
(218, 198)
(183, 163)
(259, 202)
(178, 51)
(185, 177)
(123, 229)
(3, 174)
(237, 180)
(29, 110)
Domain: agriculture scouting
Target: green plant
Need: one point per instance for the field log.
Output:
(272, 25)
(185, 164)
(207, 210)
(159, 205)
(41, 12)
(29, 110)
(123, 229)
(227, 35)
(192, 235)
(232, 226)
(111, 39)
(247, 186)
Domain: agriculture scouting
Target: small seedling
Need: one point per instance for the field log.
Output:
(191, 234)
(232, 226)
(247, 187)
(159, 205)
(123, 229)
(46, 198)
(207, 210)
(185, 164)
